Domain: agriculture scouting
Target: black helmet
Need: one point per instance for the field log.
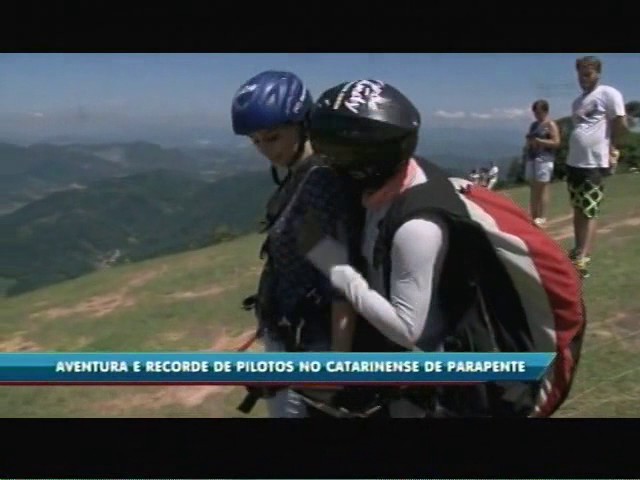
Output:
(366, 129)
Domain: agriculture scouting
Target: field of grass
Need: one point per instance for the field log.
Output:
(608, 379)
(191, 301)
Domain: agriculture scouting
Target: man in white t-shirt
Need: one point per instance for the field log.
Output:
(599, 120)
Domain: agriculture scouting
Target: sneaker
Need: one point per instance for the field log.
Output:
(582, 265)
(540, 222)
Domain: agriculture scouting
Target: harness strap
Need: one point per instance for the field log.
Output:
(245, 346)
(292, 344)
(249, 401)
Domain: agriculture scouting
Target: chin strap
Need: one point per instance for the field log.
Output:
(275, 177)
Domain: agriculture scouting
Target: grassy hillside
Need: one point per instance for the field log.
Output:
(191, 301)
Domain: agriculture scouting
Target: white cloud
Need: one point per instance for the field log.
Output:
(493, 114)
(502, 114)
(37, 114)
(445, 114)
(514, 112)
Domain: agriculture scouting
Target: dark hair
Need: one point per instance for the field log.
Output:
(589, 61)
(543, 104)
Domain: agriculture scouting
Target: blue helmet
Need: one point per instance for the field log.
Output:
(268, 100)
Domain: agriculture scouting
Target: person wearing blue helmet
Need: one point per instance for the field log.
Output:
(296, 306)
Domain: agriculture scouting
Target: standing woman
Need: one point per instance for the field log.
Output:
(542, 141)
(296, 306)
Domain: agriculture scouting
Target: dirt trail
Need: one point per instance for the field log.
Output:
(183, 396)
(567, 232)
(101, 305)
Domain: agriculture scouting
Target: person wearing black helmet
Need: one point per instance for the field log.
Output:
(450, 266)
(368, 131)
(296, 307)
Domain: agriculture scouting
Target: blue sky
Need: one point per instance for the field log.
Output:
(60, 93)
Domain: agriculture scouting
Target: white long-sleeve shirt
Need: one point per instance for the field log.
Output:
(411, 315)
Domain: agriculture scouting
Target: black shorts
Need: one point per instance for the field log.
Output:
(586, 189)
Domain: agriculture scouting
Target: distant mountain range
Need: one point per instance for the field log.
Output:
(30, 173)
(482, 140)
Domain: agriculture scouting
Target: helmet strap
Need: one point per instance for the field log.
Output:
(275, 176)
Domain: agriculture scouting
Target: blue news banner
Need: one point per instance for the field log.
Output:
(270, 368)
